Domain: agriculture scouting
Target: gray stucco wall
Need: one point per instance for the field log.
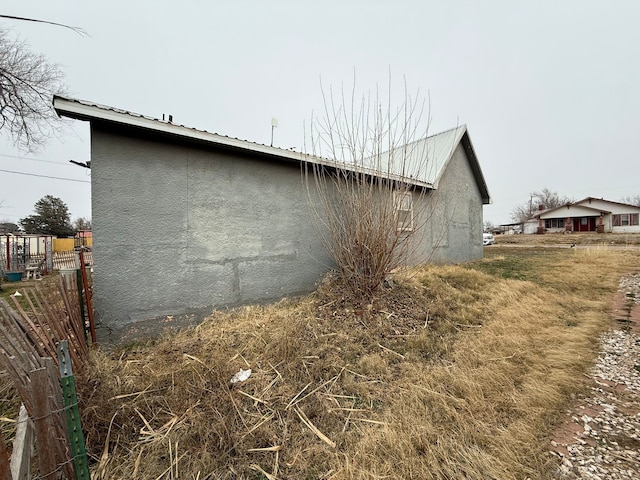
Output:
(180, 229)
(454, 223)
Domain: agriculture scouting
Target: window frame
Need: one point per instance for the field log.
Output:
(403, 202)
(554, 223)
(625, 219)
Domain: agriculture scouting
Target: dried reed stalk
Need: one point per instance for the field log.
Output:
(314, 429)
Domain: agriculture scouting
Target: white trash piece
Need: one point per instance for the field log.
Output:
(17, 294)
(241, 376)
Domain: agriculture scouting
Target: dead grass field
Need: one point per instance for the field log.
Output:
(577, 238)
(456, 372)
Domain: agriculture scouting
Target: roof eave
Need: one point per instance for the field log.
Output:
(475, 167)
(91, 112)
(80, 111)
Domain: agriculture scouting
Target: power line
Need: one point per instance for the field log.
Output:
(46, 176)
(78, 30)
(32, 159)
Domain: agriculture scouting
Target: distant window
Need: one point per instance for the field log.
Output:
(404, 206)
(624, 219)
(554, 223)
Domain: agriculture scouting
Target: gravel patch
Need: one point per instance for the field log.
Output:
(602, 440)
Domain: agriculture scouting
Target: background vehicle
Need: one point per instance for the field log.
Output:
(487, 239)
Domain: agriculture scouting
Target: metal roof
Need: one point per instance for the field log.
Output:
(590, 199)
(575, 206)
(423, 162)
(423, 159)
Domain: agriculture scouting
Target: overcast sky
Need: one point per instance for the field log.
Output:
(549, 90)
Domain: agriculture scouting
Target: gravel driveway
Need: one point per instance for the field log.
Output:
(601, 437)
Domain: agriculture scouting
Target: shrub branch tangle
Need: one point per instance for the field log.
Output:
(362, 192)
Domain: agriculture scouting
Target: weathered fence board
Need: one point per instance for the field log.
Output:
(22, 446)
(30, 331)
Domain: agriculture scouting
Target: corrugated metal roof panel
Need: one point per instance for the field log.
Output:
(84, 110)
(420, 163)
(422, 160)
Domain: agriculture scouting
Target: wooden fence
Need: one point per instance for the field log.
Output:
(69, 260)
(31, 332)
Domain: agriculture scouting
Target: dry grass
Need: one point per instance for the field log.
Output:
(454, 373)
(588, 238)
(9, 407)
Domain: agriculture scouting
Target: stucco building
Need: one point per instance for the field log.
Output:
(185, 221)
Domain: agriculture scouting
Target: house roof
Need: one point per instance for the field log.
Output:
(415, 170)
(583, 206)
(583, 210)
(426, 159)
(590, 199)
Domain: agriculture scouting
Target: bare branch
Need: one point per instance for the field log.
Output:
(367, 207)
(27, 85)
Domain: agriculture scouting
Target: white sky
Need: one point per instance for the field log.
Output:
(548, 89)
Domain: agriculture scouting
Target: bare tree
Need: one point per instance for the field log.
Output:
(364, 184)
(542, 199)
(27, 85)
(635, 200)
(82, 224)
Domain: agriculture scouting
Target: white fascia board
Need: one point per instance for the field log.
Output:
(83, 111)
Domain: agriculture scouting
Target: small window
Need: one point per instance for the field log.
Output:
(554, 223)
(624, 220)
(404, 206)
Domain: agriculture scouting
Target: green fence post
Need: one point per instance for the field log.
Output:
(74, 426)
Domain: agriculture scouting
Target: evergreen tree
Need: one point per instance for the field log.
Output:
(51, 218)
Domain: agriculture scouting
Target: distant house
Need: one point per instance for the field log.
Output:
(590, 215)
(186, 220)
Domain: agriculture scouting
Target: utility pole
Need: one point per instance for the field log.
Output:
(531, 206)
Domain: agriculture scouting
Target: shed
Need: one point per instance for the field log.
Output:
(186, 221)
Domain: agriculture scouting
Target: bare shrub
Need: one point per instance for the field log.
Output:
(366, 183)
